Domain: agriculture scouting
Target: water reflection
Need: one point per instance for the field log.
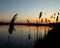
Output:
(24, 36)
(37, 32)
(51, 40)
(10, 30)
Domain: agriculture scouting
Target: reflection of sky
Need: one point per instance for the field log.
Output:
(21, 35)
(25, 30)
(27, 8)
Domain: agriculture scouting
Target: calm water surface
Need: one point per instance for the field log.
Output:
(22, 36)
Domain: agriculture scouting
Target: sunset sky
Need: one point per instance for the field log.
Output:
(28, 9)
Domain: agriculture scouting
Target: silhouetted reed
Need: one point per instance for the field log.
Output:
(51, 17)
(40, 14)
(42, 20)
(57, 19)
(54, 15)
(58, 13)
(28, 21)
(11, 28)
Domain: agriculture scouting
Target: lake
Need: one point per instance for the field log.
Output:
(22, 36)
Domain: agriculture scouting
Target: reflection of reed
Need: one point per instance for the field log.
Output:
(21, 39)
(37, 32)
(29, 34)
(29, 39)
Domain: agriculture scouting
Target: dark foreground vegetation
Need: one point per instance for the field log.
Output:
(52, 40)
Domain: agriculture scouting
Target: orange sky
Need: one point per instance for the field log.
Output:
(32, 18)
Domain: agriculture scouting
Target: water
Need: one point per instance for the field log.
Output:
(22, 36)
